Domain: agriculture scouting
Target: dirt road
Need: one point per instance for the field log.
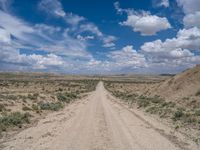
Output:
(94, 123)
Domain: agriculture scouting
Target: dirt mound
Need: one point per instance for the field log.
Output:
(182, 85)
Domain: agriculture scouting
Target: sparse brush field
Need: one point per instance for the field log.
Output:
(24, 98)
(182, 113)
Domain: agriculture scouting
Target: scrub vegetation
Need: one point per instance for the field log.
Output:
(25, 97)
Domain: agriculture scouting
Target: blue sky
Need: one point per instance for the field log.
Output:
(108, 36)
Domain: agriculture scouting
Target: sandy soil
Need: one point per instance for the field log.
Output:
(94, 123)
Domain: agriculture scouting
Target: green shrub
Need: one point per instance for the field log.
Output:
(143, 102)
(50, 106)
(153, 110)
(8, 97)
(168, 104)
(71, 95)
(26, 108)
(177, 127)
(23, 97)
(178, 114)
(2, 108)
(62, 97)
(66, 97)
(197, 112)
(35, 107)
(33, 96)
(12, 97)
(13, 119)
(156, 100)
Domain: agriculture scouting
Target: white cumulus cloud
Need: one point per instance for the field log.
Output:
(146, 24)
(192, 20)
(127, 57)
(176, 52)
(143, 22)
(192, 12)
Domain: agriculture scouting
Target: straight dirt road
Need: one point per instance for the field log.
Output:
(93, 123)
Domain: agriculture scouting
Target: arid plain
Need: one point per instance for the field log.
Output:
(51, 111)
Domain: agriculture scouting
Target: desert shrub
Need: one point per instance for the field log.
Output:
(33, 96)
(152, 110)
(168, 104)
(71, 95)
(60, 89)
(142, 97)
(22, 97)
(62, 97)
(66, 97)
(2, 108)
(1, 96)
(156, 99)
(90, 85)
(26, 108)
(50, 106)
(143, 102)
(131, 97)
(165, 112)
(12, 97)
(186, 98)
(13, 119)
(197, 93)
(197, 112)
(178, 114)
(35, 107)
(8, 97)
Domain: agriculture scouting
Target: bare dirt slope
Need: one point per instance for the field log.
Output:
(94, 123)
(182, 85)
